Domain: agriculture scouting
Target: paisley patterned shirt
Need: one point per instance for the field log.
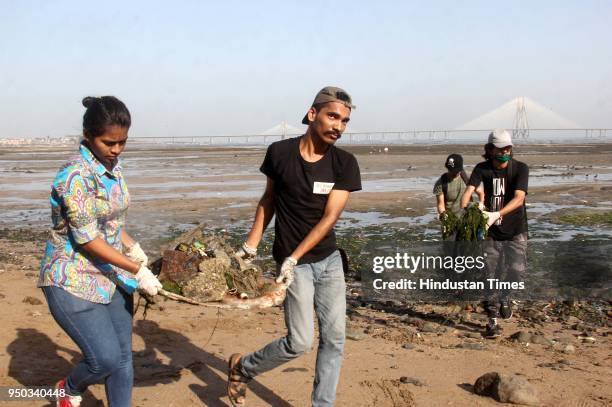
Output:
(87, 201)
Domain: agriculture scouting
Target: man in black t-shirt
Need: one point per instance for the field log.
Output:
(505, 182)
(308, 186)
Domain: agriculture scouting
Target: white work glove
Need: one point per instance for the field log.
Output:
(136, 254)
(147, 282)
(481, 206)
(492, 217)
(285, 275)
(246, 253)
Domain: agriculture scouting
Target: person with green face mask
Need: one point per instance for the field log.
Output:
(505, 182)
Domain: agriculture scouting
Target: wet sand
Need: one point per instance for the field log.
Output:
(180, 350)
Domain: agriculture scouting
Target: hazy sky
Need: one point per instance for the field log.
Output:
(188, 68)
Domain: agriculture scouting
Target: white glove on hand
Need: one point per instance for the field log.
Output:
(491, 217)
(246, 253)
(147, 282)
(136, 254)
(481, 206)
(285, 275)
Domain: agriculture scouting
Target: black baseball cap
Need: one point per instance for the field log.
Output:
(331, 94)
(454, 162)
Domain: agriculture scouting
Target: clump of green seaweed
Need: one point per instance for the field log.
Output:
(449, 223)
(587, 218)
(171, 286)
(472, 225)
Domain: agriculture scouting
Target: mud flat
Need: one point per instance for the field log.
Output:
(399, 354)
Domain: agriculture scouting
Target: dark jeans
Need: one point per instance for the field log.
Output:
(103, 332)
(506, 260)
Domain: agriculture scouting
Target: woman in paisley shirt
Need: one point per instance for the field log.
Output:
(91, 265)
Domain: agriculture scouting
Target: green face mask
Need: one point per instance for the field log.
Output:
(503, 158)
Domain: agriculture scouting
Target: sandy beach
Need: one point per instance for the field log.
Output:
(180, 350)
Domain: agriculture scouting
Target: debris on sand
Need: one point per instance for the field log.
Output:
(203, 268)
(412, 380)
(31, 300)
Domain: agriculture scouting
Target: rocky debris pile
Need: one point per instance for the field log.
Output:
(579, 315)
(203, 267)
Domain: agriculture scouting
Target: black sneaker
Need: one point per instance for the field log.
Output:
(505, 309)
(493, 331)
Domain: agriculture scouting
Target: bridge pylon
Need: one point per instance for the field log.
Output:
(521, 125)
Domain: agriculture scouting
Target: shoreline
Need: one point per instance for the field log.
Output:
(180, 350)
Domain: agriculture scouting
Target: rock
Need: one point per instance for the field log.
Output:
(354, 334)
(587, 339)
(429, 327)
(540, 340)
(534, 315)
(521, 336)
(411, 380)
(30, 274)
(506, 388)
(485, 383)
(408, 346)
(569, 349)
(32, 301)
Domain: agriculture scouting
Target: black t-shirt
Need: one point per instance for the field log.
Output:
(301, 190)
(499, 186)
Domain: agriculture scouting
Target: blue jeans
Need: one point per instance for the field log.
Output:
(320, 285)
(103, 332)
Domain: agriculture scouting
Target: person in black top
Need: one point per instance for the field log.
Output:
(449, 189)
(505, 182)
(308, 185)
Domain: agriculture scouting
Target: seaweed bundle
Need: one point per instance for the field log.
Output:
(473, 225)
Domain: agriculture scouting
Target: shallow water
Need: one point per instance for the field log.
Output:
(25, 184)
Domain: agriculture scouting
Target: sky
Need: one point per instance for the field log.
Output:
(199, 68)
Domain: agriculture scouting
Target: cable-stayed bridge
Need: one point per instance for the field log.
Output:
(529, 121)
(438, 136)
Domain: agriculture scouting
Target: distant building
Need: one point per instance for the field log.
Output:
(41, 141)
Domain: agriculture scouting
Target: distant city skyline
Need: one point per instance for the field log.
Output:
(200, 68)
